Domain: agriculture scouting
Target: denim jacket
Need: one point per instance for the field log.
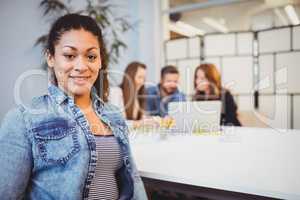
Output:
(47, 150)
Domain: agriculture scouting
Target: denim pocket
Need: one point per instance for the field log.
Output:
(57, 140)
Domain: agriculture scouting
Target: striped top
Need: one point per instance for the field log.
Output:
(104, 184)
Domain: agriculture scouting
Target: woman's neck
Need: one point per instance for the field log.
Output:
(83, 101)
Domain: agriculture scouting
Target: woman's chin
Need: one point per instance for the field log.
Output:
(80, 91)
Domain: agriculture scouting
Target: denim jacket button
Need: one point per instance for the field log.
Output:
(126, 161)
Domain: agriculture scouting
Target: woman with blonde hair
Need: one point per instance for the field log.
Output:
(207, 85)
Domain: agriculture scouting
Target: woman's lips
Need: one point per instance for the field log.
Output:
(80, 80)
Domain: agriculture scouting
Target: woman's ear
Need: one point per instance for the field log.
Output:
(50, 59)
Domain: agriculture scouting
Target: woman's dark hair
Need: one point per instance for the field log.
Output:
(76, 22)
(130, 91)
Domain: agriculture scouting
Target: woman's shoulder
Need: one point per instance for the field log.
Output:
(35, 104)
(109, 107)
(14, 123)
(227, 93)
(35, 107)
(28, 113)
(113, 112)
(14, 114)
(228, 97)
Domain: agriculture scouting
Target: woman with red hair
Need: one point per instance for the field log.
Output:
(207, 85)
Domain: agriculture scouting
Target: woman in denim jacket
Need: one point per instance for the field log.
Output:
(49, 150)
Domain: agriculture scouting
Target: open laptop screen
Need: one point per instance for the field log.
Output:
(196, 116)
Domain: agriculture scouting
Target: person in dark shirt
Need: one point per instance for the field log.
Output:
(159, 96)
(207, 85)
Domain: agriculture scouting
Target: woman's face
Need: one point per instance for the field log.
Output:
(202, 84)
(76, 61)
(140, 77)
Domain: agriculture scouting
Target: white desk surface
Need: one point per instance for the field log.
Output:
(249, 160)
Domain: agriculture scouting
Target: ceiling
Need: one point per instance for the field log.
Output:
(243, 15)
(174, 3)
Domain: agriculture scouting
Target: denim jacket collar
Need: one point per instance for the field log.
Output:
(98, 103)
(60, 96)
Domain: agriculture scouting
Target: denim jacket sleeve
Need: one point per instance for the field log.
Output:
(15, 156)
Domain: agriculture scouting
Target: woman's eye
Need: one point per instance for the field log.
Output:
(69, 56)
(92, 57)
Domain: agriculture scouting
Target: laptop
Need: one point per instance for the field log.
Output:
(196, 116)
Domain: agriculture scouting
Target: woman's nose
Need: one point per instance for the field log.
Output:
(81, 64)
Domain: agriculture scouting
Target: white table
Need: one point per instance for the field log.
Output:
(256, 161)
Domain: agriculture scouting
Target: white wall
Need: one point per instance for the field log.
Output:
(144, 41)
(150, 41)
(276, 74)
(21, 25)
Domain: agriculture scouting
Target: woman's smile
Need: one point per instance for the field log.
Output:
(80, 80)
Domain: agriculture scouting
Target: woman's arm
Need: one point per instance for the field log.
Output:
(230, 109)
(15, 156)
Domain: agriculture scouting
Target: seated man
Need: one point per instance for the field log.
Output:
(158, 97)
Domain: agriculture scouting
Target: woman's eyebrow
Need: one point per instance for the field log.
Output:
(91, 48)
(74, 48)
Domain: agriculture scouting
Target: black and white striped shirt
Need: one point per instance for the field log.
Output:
(104, 184)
